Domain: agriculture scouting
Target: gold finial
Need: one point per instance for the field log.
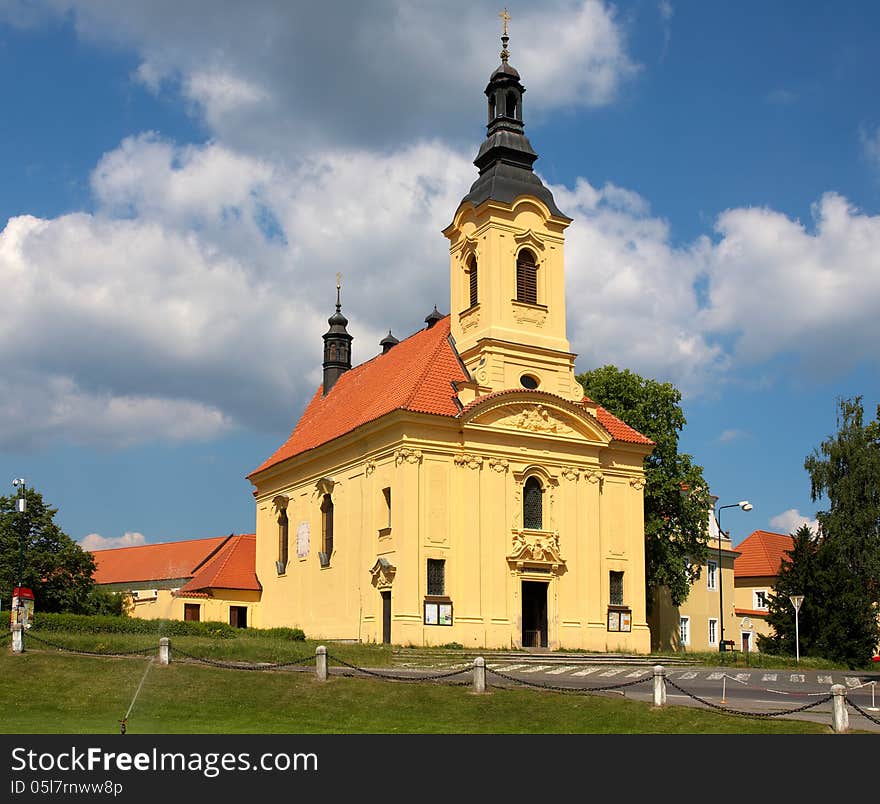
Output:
(338, 289)
(338, 280)
(505, 18)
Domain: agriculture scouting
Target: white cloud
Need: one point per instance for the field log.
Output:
(733, 435)
(789, 521)
(95, 541)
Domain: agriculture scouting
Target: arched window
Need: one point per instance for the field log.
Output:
(511, 104)
(532, 517)
(326, 529)
(282, 539)
(472, 278)
(491, 107)
(526, 278)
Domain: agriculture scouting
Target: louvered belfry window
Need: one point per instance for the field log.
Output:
(472, 277)
(526, 278)
(532, 516)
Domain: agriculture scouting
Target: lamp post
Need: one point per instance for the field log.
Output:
(21, 505)
(745, 505)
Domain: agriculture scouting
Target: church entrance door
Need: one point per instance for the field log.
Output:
(534, 614)
(386, 617)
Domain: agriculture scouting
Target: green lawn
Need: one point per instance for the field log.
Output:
(48, 691)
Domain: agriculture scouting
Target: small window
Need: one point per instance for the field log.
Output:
(528, 381)
(326, 529)
(761, 599)
(472, 279)
(386, 494)
(436, 576)
(684, 630)
(511, 104)
(713, 631)
(192, 612)
(532, 513)
(712, 575)
(526, 278)
(615, 586)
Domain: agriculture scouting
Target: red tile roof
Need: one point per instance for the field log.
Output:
(417, 375)
(750, 612)
(153, 562)
(233, 566)
(761, 554)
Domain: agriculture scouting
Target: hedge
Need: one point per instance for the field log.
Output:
(97, 623)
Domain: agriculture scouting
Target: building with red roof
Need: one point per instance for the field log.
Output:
(458, 486)
(196, 579)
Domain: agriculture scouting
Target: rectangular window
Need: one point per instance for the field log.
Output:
(713, 631)
(326, 530)
(386, 493)
(684, 630)
(238, 616)
(192, 612)
(712, 575)
(436, 577)
(615, 588)
(283, 542)
(761, 599)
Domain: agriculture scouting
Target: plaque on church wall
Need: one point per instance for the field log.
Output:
(302, 540)
(431, 613)
(626, 621)
(613, 620)
(446, 614)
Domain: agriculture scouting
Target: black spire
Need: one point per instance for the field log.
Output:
(506, 156)
(387, 342)
(337, 344)
(433, 317)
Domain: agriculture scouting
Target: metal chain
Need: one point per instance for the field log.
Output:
(244, 665)
(862, 712)
(91, 652)
(523, 681)
(748, 714)
(433, 677)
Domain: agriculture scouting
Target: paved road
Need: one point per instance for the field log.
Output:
(750, 690)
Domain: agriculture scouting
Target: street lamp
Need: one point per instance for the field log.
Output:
(745, 505)
(21, 505)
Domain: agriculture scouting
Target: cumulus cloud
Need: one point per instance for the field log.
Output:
(94, 541)
(289, 78)
(789, 521)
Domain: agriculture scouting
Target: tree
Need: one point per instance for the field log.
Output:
(845, 469)
(676, 524)
(799, 574)
(55, 567)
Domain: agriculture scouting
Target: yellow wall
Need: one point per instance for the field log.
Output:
(753, 622)
(457, 495)
(215, 608)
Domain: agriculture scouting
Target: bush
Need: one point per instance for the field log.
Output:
(97, 623)
(291, 634)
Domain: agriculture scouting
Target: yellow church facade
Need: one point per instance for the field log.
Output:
(459, 487)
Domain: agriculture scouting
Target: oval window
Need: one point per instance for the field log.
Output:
(528, 381)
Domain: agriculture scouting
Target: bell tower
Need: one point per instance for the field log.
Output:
(507, 275)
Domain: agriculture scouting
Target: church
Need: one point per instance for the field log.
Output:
(458, 487)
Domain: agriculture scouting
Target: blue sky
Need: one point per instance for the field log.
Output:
(180, 183)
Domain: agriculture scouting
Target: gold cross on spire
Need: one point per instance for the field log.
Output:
(338, 280)
(505, 18)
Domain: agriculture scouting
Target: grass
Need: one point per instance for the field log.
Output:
(62, 693)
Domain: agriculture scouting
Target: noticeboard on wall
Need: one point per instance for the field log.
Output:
(619, 619)
(438, 613)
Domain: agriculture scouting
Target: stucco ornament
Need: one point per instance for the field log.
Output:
(369, 468)
(470, 461)
(408, 455)
(538, 419)
(500, 465)
(593, 475)
(638, 483)
(535, 547)
(570, 473)
(382, 573)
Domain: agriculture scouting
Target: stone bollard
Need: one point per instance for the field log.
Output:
(321, 662)
(839, 715)
(164, 650)
(479, 674)
(659, 685)
(18, 638)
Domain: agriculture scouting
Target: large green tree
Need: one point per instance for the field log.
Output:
(676, 524)
(800, 573)
(845, 471)
(50, 563)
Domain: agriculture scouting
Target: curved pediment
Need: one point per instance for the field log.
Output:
(535, 413)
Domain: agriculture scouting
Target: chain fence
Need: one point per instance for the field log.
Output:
(432, 677)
